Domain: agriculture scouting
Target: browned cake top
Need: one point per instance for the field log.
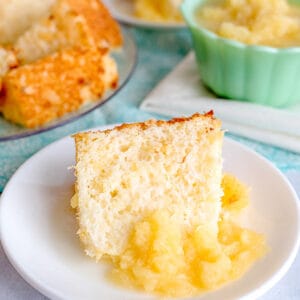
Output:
(57, 84)
(97, 17)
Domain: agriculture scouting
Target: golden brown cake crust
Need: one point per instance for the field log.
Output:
(148, 123)
(57, 84)
(96, 16)
(64, 63)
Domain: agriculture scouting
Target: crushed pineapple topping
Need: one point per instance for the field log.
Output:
(161, 258)
(158, 10)
(273, 23)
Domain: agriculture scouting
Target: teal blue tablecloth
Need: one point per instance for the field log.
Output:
(159, 52)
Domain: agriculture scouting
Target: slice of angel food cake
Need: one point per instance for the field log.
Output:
(152, 197)
(59, 62)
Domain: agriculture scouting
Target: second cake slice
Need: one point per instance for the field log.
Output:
(131, 171)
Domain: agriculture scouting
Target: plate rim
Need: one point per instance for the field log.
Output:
(259, 291)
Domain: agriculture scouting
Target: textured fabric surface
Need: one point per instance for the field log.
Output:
(159, 52)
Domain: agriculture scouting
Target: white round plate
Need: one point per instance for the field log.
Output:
(38, 229)
(123, 11)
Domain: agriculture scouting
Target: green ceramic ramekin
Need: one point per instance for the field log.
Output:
(260, 74)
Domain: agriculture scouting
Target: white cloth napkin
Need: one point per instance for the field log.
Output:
(182, 93)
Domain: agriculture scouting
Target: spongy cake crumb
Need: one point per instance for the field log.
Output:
(163, 258)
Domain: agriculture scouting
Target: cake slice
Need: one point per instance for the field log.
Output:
(40, 92)
(79, 23)
(43, 38)
(87, 22)
(16, 16)
(8, 61)
(134, 170)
